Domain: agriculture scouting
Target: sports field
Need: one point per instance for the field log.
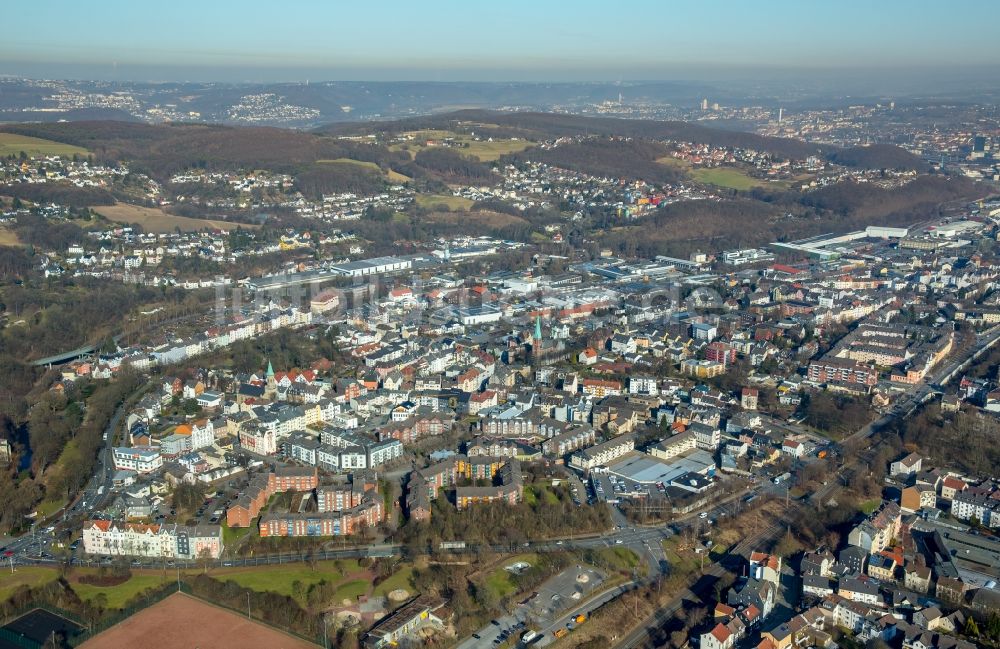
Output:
(13, 144)
(183, 622)
(153, 219)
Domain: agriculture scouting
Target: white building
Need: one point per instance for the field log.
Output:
(141, 459)
(603, 453)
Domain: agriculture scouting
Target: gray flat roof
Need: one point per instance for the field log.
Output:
(646, 469)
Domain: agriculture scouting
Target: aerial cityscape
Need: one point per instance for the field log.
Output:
(654, 325)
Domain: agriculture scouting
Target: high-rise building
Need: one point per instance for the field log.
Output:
(704, 104)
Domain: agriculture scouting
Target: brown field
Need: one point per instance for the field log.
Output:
(671, 161)
(391, 176)
(488, 219)
(183, 622)
(153, 219)
(8, 237)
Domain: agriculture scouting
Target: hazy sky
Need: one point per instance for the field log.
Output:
(495, 40)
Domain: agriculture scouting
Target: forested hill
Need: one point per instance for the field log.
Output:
(314, 159)
(553, 125)
(541, 126)
(878, 156)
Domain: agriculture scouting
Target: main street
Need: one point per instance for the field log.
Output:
(91, 498)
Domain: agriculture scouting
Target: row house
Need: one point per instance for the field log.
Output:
(110, 538)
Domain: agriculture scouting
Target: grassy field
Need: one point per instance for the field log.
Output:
(13, 144)
(489, 151)
(399, 579)
(233, 536)
(351, 161)
(682, 561)
(501, 583)
(620, 558)
(279, 579)
(351, 590)
(728, 177)
(153, 219)
(481, 218)
(31, 576)
(8, 238)
(671, 161)
(540, 492)
(396, 177)
(869, 506)
(122, 593)
(48, 507)
(483, 150)
(391, 176)
(453, 203)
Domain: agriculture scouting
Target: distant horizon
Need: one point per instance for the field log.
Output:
(843, 81)
(255, 41)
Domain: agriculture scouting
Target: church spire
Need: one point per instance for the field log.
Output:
(270, 370)
(538, 330)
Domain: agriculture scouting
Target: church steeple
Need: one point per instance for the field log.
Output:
(538, 330)
(271, 387)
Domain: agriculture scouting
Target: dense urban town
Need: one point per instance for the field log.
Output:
(488, 384)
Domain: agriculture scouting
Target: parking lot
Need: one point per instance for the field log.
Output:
(553, 598)
(563, 591)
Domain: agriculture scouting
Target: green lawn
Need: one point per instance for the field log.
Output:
(868, 506)
(399, 579)
(279, 579)
(122, 593)
(351, 590)
(728, 177)
(620, 558)
(31, 576)
(48, 507)
(535, 492)
(233, 536)
(11, 143)
(453, 203)
(500, 582)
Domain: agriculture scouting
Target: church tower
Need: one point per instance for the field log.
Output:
(272, 385)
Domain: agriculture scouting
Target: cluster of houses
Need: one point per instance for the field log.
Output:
(910, 575)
